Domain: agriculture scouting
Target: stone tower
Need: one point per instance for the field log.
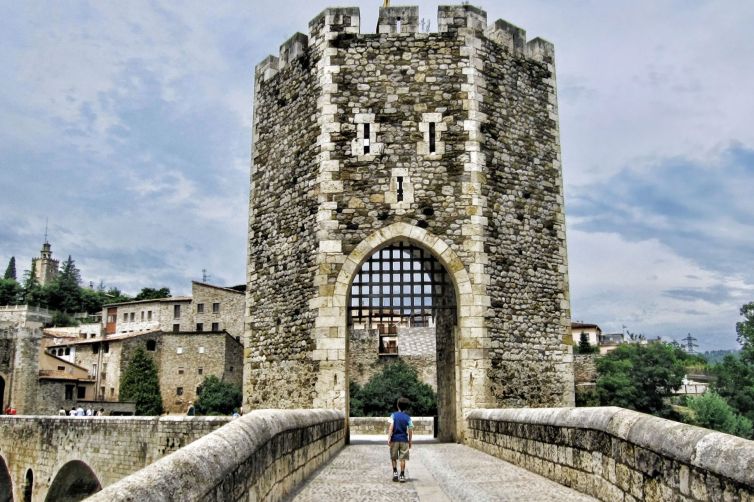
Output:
(45, 268)
(441, 145)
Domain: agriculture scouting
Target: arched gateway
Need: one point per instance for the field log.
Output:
(446, 143)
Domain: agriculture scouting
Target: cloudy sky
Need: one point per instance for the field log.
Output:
(127, 124)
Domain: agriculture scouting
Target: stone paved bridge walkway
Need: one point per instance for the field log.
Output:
(437, 473)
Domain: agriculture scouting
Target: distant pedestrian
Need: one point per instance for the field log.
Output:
(101, 412)
(80, 411)
(191, 410)
(72, 413)
(235, 413)
(89, 412)
(62, 412)
(400, 436)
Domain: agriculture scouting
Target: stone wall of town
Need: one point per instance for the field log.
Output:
(112, 447)
(186, 359)
(230, 309)
(585, 369)
(487, 201)
(416, 347)
(617, 454)
(273, 451)
(375, 426)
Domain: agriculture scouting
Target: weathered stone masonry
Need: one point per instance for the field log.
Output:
(339, 117)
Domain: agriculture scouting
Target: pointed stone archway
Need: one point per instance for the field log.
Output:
(472, 389)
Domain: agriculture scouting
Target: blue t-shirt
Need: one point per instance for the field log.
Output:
(401, 423)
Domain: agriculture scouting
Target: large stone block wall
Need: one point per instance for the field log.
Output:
(113, 447)
(617, 454)
(261, 456)
(488, 202)
(525, 231)
(279, 372)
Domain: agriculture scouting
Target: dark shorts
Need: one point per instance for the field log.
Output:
(398, 451)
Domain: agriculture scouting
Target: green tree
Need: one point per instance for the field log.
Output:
(734, 381)
(379, 395)
(31, 291)
(152, 294)
(745, 333)
(64, 293)
(115, 295)
(217, 397)
(584, 347)
(640, 377)
(9, 292)
(141, 385)
(10, 272)
(713, 412)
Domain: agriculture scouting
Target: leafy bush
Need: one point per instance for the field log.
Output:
(141, 385)
(217, 397)
(713, 412)
(397, 379)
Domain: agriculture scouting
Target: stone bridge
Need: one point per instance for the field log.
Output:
(509, 454)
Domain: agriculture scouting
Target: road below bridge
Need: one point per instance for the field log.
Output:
(437, 472)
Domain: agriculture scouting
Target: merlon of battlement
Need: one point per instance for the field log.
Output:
(293, 48)
(403, 19)
(397, 20)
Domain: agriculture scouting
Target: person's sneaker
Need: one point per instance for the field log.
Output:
(395, 476)
(402, 478)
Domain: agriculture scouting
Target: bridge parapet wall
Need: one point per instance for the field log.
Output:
(261, 456)
(113, 447)
(617, 454)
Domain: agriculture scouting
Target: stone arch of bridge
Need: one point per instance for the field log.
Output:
(471, 386)
(74, 481)
(6, 482)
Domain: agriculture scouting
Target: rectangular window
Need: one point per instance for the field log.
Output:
(400, 188)
(69, 392)
(200, 371)
(179, 350)
(142, 315)
(95, 348)
(125, 316)
(215, 326)
(199, 308)
(179, 391)
(149, 315)
(112, 391)
(110, 319)
(68, 351)
(133, 316)
(81, 392)
(94, 369)
(366, 138)
(200, 326)
(215, 308)
(432, 135)
(106, 347)
(201, 350)
(61, 368)
(180, 371)
(176, 327)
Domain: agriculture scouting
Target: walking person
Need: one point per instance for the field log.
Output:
(400, 438)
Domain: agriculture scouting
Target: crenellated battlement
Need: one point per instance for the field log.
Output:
(402, 21)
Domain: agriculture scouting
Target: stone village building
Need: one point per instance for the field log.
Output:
(408, 184)
(190, 338)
